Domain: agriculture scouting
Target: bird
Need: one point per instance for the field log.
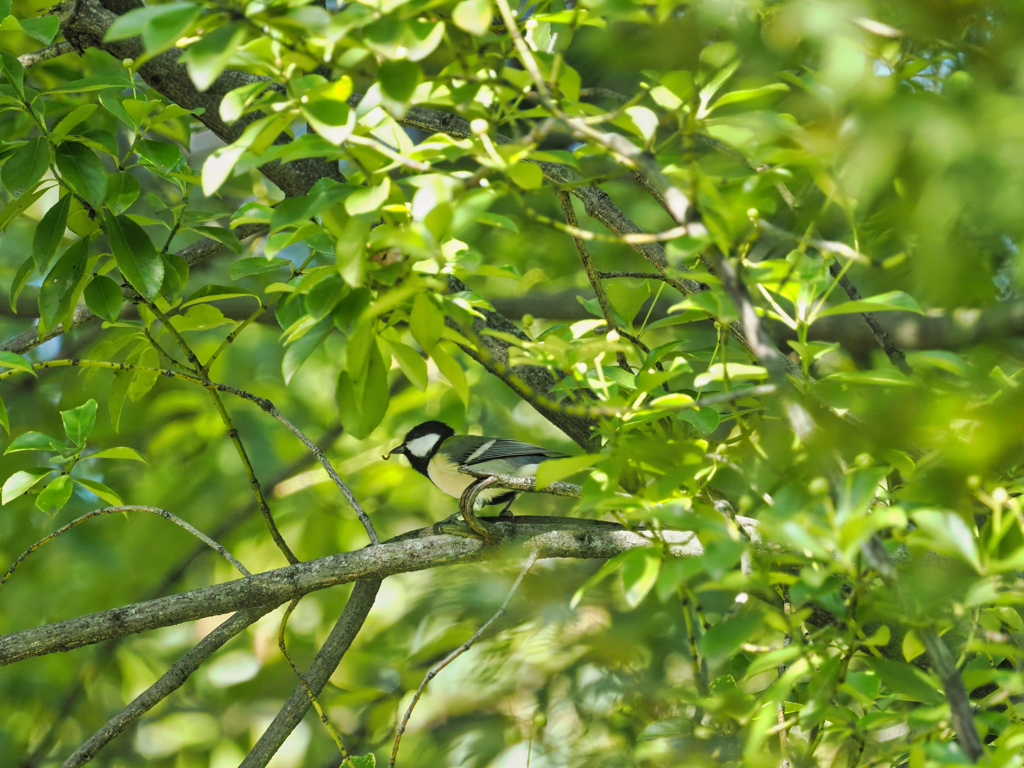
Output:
(435, 451)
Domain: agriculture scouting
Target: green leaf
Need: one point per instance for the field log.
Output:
(452, 371)
(368, 199)
(256, 265)
(162, 31)
(324, 297)
(201, 317)
(723, 640)
(913, 646)
(426, 322)
(55, 495)
(19, 205)
(732, 371)
(143, 381)
(100, 490)
(909, 682)
(5, 420)
(21, 278)
(49, 233)
(103, 297)
(14, 72)
(26, 166)
(608, 568)
(236, 101)
(639, 573)
(16, 362)
(82, 171)
(19, 482)
(135, 254)
(680, 83)
(628, 296)
(361, 412)
(413, 366)
(398, 79)
(208, 57)
(670, 727)
(894, 301)
(42, 29)
(118, 393)
(946, 532)
(360, 761)
(328, 112)
(120, 452)
(76, 116)
(122, 190)
(496, 220)
(552, 470)
(300, 351)
(526, 175)
(734, 97)
(61, 287)
(119, 80)
(474, 16)
(222, 235)
(217, 293)
(79, 422)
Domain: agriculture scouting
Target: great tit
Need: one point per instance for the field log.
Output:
(434, 450)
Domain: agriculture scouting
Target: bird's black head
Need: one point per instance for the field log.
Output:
(422, 442)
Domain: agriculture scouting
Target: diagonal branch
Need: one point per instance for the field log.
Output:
(338, 642)
(169, 682)
(125, 510)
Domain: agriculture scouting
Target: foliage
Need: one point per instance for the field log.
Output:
(290, 199)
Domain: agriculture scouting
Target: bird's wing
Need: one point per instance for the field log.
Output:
(469, 451)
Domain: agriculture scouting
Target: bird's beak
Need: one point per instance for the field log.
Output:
(399, 449)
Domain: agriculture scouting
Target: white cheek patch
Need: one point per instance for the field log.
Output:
(421, 446)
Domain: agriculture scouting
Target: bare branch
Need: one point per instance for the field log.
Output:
(956, 695)
(894, 353)
(126, 509)
(327, 659)
(45, 54)
(458, 652)
(419, 550)
(169, 682)
(595, 280)
(528, 484)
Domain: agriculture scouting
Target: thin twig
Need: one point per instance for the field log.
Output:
(595, 281)
(327, 659)
(456, 653)
(894, 353)
(45, 54)
(169, 682)
(232, 431)
(527, 484)
(126, 509)
(302, 680)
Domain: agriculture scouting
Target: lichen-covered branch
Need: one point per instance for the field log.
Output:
(419, 550)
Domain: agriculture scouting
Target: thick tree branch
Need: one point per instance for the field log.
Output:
(530, 382)
(419, 550)
(86, 27)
